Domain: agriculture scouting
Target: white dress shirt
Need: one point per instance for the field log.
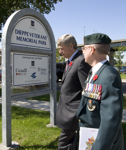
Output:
(96, 68)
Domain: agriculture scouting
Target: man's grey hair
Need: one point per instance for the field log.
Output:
(67, 39)
(102, 48)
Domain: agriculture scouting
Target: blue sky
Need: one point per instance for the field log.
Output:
(87, 17)
(72, 16)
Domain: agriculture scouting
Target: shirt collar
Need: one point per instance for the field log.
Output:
(97, 66)
(71, 57)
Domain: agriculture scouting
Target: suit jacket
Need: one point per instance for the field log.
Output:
(106, 113)
(73, 81)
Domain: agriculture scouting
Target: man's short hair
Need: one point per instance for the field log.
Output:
(67, 39)
(102, 48)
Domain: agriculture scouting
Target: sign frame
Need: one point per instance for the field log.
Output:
(7, 49)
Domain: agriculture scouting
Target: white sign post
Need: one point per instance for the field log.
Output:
(28, 41)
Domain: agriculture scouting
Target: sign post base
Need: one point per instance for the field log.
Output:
(14, 146)
(51, 126)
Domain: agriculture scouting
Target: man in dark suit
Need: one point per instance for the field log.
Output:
(102, 100)
(73, 82)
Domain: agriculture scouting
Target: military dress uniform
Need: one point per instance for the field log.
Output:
(101, 107)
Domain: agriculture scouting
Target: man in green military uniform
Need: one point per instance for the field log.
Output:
(101, 104)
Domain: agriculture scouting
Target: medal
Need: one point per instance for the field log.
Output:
(90, 90)
(99, 92)
(93, 91)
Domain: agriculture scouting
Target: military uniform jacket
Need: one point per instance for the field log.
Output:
(73, 82)
(103, 110)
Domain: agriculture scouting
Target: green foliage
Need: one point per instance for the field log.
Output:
(124, 64)
(7, 7)
(59, 58)
(122, 48)
(118, 56)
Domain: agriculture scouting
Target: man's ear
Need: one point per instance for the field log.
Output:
(71, 46)
(92, 49)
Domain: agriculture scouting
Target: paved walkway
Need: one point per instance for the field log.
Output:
(42, 105)
(31, 104)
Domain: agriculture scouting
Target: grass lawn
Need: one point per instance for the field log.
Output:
(30, 131)
(123, 76)
(124, 102)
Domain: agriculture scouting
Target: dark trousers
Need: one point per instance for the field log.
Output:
(66, 140)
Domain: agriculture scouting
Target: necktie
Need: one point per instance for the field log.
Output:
(67, 63)
(89, 75)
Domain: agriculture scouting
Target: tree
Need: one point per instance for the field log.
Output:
(124, 63)
(118, 56)
(7, 7)
(59, 58)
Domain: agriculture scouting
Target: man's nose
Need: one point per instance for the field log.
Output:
(60, 51)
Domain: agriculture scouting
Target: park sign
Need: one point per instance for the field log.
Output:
(30, 32)
(28, 62)
(29, 69)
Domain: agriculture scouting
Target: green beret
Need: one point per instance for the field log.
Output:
(96, 38)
